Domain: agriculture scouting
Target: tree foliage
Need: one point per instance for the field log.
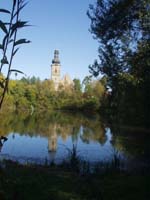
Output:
(32, 93)
(122, 28)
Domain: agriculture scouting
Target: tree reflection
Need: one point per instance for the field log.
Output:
(54, 125)
(132, 141)
(96, 133)
(76, 127)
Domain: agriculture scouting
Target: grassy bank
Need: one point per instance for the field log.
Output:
(58, 183)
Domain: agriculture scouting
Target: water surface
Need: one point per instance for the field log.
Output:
(50, 137)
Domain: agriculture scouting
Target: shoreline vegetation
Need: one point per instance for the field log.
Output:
(68, 181)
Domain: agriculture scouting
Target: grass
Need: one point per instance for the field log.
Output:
(29, 182)
(74, 179)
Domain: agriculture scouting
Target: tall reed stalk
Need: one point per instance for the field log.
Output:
(10, 42)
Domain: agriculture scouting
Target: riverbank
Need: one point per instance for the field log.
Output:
(27, 182)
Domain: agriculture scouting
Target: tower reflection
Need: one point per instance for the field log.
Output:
(52, 140)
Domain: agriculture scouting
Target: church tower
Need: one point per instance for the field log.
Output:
(55, 69)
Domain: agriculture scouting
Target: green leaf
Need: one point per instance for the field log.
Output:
(21, 41)
(15, 70)
(4, 40)
(19, 24)
(3, 27)
(4, 11)
(11, 40)
(15, 51)
(2, 84)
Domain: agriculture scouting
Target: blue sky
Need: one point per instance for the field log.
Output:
(57, 24)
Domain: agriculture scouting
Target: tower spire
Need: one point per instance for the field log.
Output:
(56, 58)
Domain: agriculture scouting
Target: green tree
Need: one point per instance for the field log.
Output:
(122, 28)
(87, 84)
(77, 86)
(119, 26)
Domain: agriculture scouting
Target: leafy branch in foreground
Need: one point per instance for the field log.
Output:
(9, 43)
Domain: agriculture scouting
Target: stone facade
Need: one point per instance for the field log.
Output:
(56, 73)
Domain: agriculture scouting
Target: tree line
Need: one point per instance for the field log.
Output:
(32, 94)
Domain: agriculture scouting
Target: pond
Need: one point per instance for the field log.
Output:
(50, 137)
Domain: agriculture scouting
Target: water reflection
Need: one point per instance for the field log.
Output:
(134, 142)
(52, 140)
(47, 136)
